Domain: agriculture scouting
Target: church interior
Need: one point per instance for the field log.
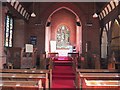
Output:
(59, 45)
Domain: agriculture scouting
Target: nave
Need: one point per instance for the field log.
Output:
(61, 74)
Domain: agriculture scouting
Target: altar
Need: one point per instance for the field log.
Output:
(63, 52)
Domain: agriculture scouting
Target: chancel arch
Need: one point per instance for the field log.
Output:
(64, 31)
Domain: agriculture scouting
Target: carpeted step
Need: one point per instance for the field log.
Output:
(63, 77)
(63, 85)
(64, 58)
(66, 72)
(58, 73)
(63, 64)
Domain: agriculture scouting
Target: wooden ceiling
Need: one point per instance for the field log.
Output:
(28, 6)
(99, 5)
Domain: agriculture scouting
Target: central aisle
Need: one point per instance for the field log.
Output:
(63, 77)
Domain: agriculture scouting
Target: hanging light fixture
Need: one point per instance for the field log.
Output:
(39, 21)
(88, 22)
(33, 14)
(95, 15)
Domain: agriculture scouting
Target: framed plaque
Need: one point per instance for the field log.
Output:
(33, 40)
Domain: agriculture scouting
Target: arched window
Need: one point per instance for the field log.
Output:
(62, 37)
(8, 31)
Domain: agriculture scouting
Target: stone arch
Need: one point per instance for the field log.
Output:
(73, 9)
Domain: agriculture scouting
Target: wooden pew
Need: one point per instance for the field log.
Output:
(94, 71)
(30, 71)
(101, 85)
(27, 77)
(98, 70)
(81, 77)
(26, 71)
(103, 76)
(21, 85)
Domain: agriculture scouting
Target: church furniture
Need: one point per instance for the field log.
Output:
(8, 65)
(53, 54)
(95, 76)
(26, 77)
(21, 85)
(29, 71)
(83, 61)
(25, 71)
(42, 61)
(96, 61)
(63, 51)
(101, 84)
(13, 56)
(93, 71)
(28, 59)
(104, 76)
(117, 64)
(98, 71)
(73, 54)
(74, 58)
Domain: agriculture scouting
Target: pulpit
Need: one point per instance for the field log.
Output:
(28, 59)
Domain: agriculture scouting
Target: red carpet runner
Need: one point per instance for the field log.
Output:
(63, 77)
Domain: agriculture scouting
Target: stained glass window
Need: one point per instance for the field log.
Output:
(63, 36)
(8, 31)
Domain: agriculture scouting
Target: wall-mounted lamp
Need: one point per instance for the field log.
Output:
(78, 24)
(89, 24)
